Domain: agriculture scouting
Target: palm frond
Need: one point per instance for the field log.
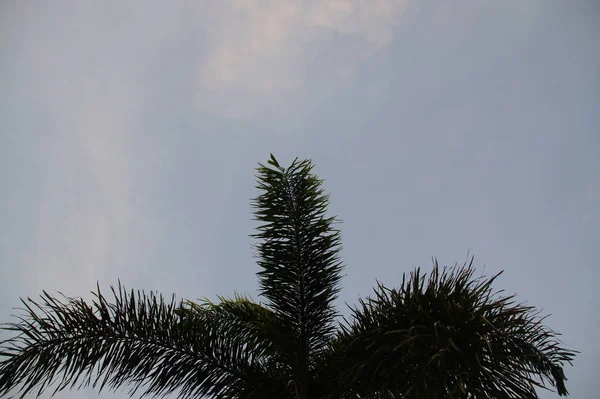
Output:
(254, 325)
(248, 321)
(298, 256)
(140, 340)
(449, 335)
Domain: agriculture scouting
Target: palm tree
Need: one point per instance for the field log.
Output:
(446, 335)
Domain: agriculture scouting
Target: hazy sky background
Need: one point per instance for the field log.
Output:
(129, 134)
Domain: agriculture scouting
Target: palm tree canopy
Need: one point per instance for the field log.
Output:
(446, 335)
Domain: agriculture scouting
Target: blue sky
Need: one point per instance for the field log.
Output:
(130, 132)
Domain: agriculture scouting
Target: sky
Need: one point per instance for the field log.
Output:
(130, 132)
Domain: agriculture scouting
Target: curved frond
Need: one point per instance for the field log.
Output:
(250, 322)
(138, 340)
(257, 327)
(449, 335)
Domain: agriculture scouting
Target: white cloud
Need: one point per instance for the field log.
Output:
(250, 56)
(264, 48)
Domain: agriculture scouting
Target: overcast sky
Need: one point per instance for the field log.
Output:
(130, 131)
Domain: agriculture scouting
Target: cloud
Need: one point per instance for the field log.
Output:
(250, 58)
(263, 50)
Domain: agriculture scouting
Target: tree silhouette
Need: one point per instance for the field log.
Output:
(445, 335)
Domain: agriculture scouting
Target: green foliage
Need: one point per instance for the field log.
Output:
(298, 259)
(138, 339)
(446, 335)
(449, 336)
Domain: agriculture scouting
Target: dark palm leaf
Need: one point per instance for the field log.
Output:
(138, 339)
(449, 336)
(298, 258)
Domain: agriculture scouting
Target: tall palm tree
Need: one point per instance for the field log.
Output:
(446, 335)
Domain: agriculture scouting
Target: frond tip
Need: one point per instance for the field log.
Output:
(298, 251)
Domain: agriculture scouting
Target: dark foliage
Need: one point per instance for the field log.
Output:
(446, 335)
(449, 335)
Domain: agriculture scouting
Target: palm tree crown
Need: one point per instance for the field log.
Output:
(446, 335)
